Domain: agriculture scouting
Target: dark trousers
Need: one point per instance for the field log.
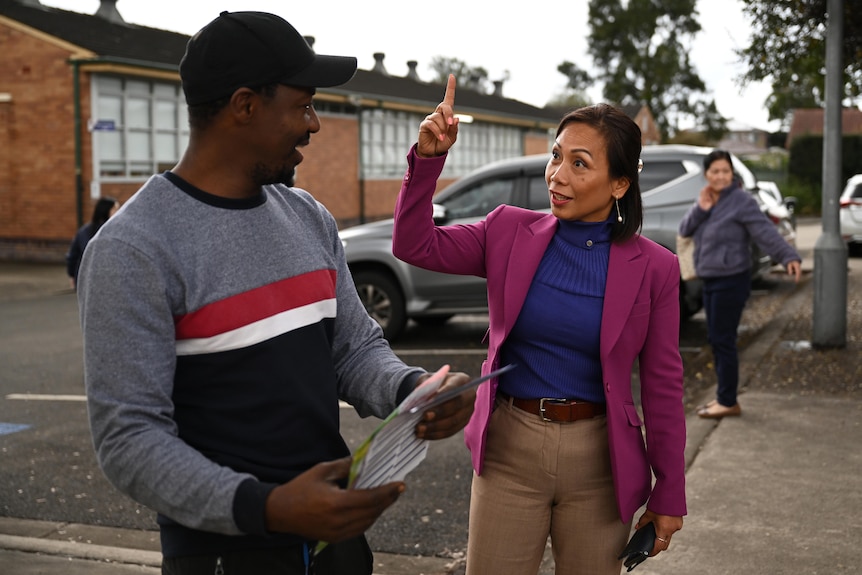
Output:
(351, 557)
(723, 301)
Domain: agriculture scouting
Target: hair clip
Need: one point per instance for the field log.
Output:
(640, 165)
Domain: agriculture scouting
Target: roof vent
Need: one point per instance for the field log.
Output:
(498, 88)
(108, 11)
(378, 64)
(411, 70)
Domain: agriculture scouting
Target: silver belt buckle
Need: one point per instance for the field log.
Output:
(542, 402)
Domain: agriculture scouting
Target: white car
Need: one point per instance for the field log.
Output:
(850, 212)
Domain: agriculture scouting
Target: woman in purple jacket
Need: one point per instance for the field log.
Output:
(575, 297)
(724, 220)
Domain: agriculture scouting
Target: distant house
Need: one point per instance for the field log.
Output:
(744, 140)
(642, 115)
(809, 121)
(92, 105)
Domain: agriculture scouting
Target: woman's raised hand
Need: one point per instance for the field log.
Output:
(438, 131)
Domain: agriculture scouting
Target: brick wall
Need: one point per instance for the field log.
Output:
(37, 181)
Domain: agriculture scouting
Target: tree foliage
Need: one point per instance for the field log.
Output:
(575, 94)
(475, 78)
(788, 48)
(640, 48)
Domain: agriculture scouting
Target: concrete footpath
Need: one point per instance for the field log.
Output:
(778, 490)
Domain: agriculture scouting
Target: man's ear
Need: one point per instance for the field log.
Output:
(243, 103)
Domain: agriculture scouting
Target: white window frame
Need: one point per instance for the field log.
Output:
(386, 136)
(141, 106)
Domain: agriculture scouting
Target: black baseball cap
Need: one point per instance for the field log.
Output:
(253, 49)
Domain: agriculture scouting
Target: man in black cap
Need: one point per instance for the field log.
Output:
(221, 327)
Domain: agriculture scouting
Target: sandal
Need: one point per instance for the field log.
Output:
(717, 411)
(706, 405)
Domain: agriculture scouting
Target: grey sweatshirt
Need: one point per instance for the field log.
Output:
(219, 336)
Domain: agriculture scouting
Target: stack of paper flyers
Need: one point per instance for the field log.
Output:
(393, 450)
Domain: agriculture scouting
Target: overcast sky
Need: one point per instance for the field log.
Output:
(529, 41)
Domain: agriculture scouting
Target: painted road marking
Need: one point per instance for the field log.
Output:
(45, 397)
(7, 428)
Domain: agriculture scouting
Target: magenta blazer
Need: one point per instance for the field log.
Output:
(640, 320)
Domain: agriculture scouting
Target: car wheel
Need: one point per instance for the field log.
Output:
(383, 301)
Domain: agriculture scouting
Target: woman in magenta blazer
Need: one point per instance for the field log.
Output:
(575, 297)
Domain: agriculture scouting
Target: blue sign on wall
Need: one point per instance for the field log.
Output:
(103, 125)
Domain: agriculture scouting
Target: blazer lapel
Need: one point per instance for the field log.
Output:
(528, 247)
(626, 270)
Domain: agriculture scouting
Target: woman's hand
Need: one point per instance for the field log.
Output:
(438, 131)
(794, 269)
(707, 198)
(665, 527)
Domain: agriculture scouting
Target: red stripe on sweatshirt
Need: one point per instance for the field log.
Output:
(254, 305)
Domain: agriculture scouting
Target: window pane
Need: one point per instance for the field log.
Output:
(538, 196)
(165, 91)
(655, 174)
(138, 88)
(110, 145)
(109, 84)
(110, 108)
(481, 199)
(166, 115)
(137, 113)
(139, 146)
(166, 148)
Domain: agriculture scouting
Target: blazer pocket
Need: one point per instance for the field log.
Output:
(632, 415)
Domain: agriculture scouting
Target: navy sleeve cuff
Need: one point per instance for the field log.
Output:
(407, 386)
(249, 506)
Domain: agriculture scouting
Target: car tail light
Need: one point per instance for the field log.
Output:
(846, 203)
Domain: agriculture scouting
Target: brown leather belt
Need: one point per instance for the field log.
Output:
(558, 410)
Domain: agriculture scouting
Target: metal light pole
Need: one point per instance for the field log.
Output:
(830, 252)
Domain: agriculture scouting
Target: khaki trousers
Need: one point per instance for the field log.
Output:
(544, 479)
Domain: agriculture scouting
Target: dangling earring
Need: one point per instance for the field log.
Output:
(619, 215)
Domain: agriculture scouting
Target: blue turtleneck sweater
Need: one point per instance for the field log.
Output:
(555, 340)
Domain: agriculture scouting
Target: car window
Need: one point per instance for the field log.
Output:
(656, 173)
(857, 193)
(537, 193)
(478, 200)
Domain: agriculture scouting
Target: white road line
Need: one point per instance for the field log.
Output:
(482, 351)
(46, 397)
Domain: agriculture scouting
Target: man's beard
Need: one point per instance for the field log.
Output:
(264, 175)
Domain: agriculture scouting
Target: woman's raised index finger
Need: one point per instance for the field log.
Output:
(449, 97)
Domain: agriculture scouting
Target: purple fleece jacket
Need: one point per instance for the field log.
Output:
(723, 235)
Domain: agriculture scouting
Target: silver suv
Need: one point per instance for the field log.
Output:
(394, 291)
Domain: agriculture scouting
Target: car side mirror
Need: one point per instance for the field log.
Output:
(438, 212)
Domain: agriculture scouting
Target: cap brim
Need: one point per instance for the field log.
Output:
(324, 72)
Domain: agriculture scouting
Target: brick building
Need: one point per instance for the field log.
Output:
(91, 105)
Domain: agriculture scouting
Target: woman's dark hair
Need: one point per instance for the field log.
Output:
(101, 213)
(623, 141)
(716, 155)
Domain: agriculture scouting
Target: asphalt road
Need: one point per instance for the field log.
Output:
(48, 470)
